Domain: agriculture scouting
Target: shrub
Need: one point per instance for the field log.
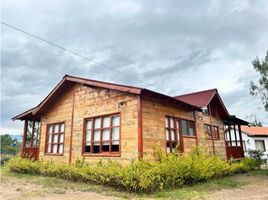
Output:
(256, 155)
(168, 171)
(4, 160)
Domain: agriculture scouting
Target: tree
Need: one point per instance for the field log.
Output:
(261, 88)
(9, 145)
(254, 120)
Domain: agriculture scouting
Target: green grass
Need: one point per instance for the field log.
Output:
(260, 172)
(60, 186)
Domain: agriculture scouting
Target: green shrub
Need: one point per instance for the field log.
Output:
(5, 159)
(168, 171)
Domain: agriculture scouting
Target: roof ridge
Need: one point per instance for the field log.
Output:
(192, 93)
(104, 82)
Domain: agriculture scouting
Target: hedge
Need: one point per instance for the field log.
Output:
(138, 176)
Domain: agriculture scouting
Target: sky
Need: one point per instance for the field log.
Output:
(173, 47)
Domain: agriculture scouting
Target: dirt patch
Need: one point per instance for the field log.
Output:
(15, 189)
(256, 188)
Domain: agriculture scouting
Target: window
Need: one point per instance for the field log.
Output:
(101, 134)
(172, 134)
(212, 132)
(260, 145)
(188, 128)
(32, 134)
(173, 127)
(55, 138)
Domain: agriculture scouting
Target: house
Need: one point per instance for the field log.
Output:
(83, 118)
(254, 138)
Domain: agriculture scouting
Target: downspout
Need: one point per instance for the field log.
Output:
(71, 133)
(140, 135)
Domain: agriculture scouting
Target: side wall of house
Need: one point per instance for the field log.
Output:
(153, 118)
(216, 145)
(91, 102)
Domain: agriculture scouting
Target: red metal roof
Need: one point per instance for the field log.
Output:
(200, 99)
(203, 99)
(255, 131)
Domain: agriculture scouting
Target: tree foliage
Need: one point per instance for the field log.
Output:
(254, 120)
(261, 88)
(9, 145)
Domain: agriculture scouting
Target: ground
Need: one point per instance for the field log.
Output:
(14, 186)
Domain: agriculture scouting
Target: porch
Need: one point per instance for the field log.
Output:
(233, 138)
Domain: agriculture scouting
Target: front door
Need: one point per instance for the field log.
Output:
(30, 148)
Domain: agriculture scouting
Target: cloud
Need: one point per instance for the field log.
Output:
(173, 46)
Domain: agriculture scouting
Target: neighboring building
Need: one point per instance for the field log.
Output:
(93, 119)
(254, 138)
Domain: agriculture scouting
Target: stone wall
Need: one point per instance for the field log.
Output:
(91, 102)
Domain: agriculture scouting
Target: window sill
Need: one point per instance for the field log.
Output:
(101, 154)
(53, 154)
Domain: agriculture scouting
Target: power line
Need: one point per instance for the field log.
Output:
(68, 50)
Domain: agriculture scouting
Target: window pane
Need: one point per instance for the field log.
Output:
(87, 148)
(97, 135)
(259, 144)
(207, 130)
(49, 148)
(88, 136)
(115, 142)
(115, 148)
(49, 138)
(191, 128)
(106, 122)
(96, 147)
(97, 122)
(29, 133)
(172, 135)
(166, 122)
(184, 127)
(56, 129)
(167, 134)
(62, 127)
(50, 129)
(55, 138)
(54, 148)
(168, 148)
(115, 120)
(106, 146)
(171, 121)
(115, 133)
(61, 138)
(106, 134)
(89, 124)
(61, 148)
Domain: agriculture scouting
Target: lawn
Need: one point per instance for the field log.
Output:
(25, 186)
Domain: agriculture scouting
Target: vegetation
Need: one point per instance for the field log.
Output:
(261, 88)
(139, 176)
(255, 121)
(256, 155)
(9, 147)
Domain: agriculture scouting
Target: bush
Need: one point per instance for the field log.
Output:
(4, 160)
(256, 155)
(168, 171)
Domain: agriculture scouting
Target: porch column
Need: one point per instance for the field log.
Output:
(241, 141)
(24, 137)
